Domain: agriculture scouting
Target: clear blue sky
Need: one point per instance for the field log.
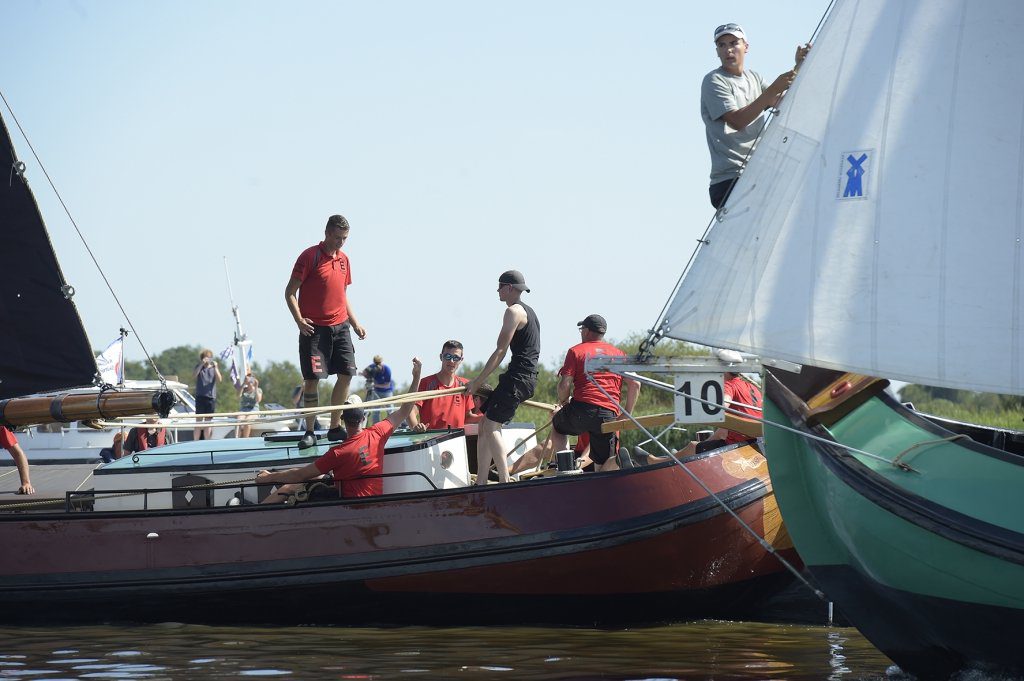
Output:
(460, 139)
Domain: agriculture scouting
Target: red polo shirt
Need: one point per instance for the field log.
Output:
(449, 411)
(325, 278)
(582, 389)
(359, 456)
(742, 392)
(7, 439)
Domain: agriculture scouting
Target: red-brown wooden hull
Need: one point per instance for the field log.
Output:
(583, 545)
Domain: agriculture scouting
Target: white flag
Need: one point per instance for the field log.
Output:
(109, 362)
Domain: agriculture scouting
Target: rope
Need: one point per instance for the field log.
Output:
(117, 495)
(290, 414)
(952, 438)
(80, 236)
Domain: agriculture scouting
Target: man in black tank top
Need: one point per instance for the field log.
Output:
(520, 331)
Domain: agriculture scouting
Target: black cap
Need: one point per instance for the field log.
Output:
(515, 278)
(594, 322)
(353, 415)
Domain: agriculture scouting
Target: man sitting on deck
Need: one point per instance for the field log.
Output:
(356, 464)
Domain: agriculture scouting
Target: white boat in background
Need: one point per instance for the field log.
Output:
(76, 442)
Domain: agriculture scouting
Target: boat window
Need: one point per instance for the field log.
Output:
(185, 397)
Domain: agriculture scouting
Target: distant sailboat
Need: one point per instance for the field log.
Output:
(878, 231)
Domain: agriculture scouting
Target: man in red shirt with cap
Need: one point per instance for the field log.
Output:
(356, 464)
(588, 407)
(317, 297)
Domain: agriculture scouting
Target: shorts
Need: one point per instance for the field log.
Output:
(577, 418)
(328, 351)
(501, 404)
(719, 192)
(206, 405)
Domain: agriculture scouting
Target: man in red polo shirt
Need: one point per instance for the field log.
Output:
(317, 297)
(589, 407)
(356, 464)
(450, 411)
(10, 443)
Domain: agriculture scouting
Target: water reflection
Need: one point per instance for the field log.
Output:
(701, 650)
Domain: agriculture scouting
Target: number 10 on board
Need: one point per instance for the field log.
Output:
(691, 389)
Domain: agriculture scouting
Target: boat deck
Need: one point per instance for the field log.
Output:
(51, 481)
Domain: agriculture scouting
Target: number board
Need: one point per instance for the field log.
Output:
(705, 387)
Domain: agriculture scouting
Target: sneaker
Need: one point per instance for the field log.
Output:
(308, 440)
(336, 434)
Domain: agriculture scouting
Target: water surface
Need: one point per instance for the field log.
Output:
(701, 650)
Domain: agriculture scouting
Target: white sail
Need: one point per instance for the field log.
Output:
(878, 225)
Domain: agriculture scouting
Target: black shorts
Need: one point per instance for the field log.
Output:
(719, 192)
(206, 405)
(328, 351)
(501, 404)
(577, 418)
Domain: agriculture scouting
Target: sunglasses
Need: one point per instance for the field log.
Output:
(450, 357)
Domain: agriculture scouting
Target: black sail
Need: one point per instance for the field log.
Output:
(43, 345)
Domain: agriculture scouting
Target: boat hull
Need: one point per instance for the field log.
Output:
(929, 569)
(564, 549)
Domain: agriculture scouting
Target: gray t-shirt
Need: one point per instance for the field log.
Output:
(206, 382)
(720, 93)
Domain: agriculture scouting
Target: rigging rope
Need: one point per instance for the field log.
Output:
(696, 478)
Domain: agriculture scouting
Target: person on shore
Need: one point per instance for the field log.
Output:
(585, 407)
(380, 385)
(732, 100)
(520, 332)
(317, 297)
(207, 375)
(450, 411)
(355, 465)
(249, 397)
(9, 442)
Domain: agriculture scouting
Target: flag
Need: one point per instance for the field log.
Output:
(233, 373)
(227, 352)
(109, 362)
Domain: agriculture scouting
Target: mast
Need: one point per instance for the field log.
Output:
(241, 341)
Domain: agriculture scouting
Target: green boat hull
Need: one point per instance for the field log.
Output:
(928, 562)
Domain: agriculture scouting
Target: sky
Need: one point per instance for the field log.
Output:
(460, 139)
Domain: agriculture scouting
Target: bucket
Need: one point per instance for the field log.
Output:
(566, 460)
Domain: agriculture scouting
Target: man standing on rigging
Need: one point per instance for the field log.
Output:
(317, 298)
(732, 99)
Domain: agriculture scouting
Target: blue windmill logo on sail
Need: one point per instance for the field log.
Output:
(854, 174)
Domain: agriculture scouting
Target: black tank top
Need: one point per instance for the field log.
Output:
(525, 347)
